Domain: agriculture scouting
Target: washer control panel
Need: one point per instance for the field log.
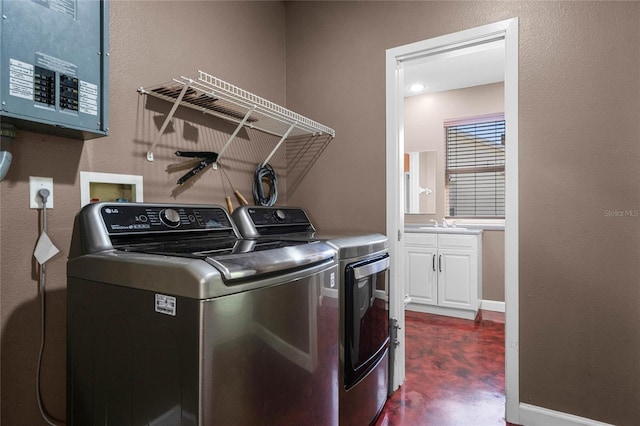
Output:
(122, 218)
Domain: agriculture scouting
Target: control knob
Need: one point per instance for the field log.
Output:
(279, 215)
(170, 217)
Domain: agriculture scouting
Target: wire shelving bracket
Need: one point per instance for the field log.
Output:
(216, 97)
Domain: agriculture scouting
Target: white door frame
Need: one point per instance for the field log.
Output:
(395, 58)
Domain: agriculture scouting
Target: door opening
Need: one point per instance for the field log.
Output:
(397, 62)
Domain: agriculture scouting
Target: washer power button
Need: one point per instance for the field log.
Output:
(279, 215)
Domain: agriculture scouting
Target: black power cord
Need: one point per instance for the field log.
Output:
(265, 175)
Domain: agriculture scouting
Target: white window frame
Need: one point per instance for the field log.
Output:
(478, 119)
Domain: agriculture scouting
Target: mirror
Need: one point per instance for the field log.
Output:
(420, 182)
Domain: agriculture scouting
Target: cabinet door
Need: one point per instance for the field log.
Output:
(457, 285)
(421, 275)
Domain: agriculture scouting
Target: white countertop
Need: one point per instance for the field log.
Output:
(430, 229)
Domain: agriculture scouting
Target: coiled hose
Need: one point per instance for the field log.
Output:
(265, 175)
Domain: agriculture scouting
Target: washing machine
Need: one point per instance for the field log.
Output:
(173, 319)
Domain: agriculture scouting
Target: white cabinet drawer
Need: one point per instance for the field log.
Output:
(421, 239)
(453, 241)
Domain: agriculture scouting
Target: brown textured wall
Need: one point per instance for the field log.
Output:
(579, 103)
(493, 265)
(151, 42)
(580, 159)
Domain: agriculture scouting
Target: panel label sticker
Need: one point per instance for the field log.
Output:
(166, 304)
(56, 64)
(21, 79)
(65, 7)
(88, 98)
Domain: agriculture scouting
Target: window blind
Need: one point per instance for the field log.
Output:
(475, 157)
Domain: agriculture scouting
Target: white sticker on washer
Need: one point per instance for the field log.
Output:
(332, 279)
(166, 304)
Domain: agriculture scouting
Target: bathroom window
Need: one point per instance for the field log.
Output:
(474, 172)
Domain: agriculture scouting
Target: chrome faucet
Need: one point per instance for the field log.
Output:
(435, 222)
(446, 224)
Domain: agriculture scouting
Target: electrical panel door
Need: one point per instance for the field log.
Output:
(54, 66)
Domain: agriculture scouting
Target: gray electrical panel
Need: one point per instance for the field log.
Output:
(54, 66)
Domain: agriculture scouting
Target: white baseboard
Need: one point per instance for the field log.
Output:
(492, 305)
(531, 415)
(439, 310)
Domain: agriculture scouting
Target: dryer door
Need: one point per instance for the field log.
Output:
(366, 316)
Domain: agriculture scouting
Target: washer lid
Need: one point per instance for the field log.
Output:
(182, 276)
(292, 255)
(239, 260)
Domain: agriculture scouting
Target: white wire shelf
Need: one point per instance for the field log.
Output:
(210, 95)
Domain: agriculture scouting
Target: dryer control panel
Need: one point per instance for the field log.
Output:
(257, 221)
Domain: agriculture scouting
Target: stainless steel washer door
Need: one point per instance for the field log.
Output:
(270, 356)
(263, 356)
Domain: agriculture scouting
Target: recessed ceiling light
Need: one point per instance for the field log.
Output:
(416, 87)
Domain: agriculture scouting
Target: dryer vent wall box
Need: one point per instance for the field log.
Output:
(54, 66)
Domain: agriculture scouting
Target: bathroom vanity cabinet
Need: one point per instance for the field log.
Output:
(444, 271)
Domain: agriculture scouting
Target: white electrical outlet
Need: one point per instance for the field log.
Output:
(35, 184)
